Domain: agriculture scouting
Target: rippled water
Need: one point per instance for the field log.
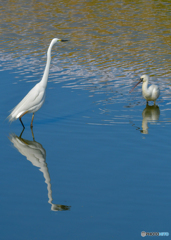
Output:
(104, 156)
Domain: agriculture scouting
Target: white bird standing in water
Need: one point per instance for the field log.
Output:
(150, 93)
(35, 98)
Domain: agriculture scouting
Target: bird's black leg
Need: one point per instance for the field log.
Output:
(21, 133)
(22, 123)
(32, 121)
(32, 134)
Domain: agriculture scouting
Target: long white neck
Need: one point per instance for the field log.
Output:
(46, 71)
(145, 86)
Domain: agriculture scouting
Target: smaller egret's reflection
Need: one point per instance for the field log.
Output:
(149, 114)
(36, 154)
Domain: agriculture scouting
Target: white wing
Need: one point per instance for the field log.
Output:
(29, 103)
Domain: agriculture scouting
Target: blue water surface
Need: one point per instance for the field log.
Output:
(97, 163)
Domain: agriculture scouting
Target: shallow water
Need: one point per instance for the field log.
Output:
(97, 164)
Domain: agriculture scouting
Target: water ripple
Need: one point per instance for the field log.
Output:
(111, 45)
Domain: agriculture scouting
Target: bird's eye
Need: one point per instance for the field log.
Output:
(141, 79)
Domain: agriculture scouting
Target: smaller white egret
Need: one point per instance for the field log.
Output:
(35, 98)
(150, 93)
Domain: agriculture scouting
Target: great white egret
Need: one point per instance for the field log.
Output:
(35, 98)
(150, 93)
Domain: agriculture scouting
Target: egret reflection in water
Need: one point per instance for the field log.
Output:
(149, 114)
(36, 154)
